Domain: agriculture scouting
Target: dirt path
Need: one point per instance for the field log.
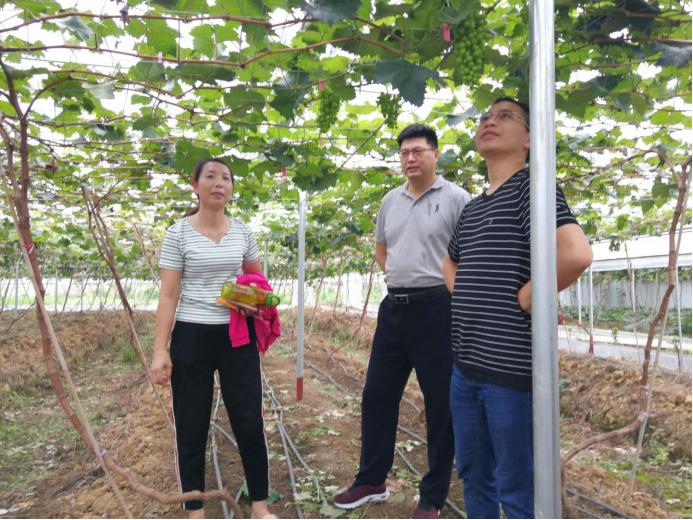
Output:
(49, 474)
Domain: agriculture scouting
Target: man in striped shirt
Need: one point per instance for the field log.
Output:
(487, 269)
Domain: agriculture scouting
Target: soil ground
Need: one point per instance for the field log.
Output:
(45, 470)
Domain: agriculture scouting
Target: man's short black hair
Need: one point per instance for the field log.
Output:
(417, 130)
(522, 105)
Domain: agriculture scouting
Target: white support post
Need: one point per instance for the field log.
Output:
(55, 292)
(85, 286)
(301, 294)
(591, 281)
(545, 376)
(16, 288)
(634, 308)
(265, 269)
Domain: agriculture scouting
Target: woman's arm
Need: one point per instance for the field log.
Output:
(169, 293)
(252, 267)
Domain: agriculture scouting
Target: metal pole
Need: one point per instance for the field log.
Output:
(301, 293)
(264, 260)
(634, 310)
(16, 288)
(579, 299)
(632, 298)
(591, 302)
(85, 286)
(55, 304)
(542, 89)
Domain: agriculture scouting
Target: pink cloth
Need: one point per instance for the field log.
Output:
(267, 328)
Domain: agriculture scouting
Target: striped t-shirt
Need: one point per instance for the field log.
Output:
(491, 335)
(206, 265)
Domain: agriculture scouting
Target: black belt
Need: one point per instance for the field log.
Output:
(406, 296)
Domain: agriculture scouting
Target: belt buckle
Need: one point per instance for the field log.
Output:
(401, 299)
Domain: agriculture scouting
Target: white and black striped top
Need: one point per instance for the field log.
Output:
(206, 265)
(491, 335)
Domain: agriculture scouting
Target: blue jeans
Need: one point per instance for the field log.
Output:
(493, 447)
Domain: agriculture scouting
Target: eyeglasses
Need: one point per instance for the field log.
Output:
(414, 152)
(503, 116)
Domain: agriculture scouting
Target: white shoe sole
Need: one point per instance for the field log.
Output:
(380, 497)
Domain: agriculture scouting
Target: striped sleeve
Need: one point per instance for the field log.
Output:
(563, 214)
(252, 252)
(524, 205)
(453, 248)
(171, 256)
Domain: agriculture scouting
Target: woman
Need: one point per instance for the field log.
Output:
(200, 252)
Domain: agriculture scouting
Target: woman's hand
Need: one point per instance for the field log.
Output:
(161, 367)
(246, 310)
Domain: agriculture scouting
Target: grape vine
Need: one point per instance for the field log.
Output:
(329, 107)
(469, 46)
(389, 108)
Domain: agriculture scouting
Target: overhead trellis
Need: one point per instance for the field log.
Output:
(108, 105)
(126, 95)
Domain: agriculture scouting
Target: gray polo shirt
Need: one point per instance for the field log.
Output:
(417, 232)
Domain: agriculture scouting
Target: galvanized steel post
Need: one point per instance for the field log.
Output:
(265, 269)
(16, 288)
(589, 271)
(542, 88)
(301, 293)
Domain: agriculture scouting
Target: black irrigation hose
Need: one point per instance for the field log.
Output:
(412, 468)
(357, 380)
(414, 435)
(217, 473)
(226, 435)
(349, 392)
(598, 503)
(297, 454)
(279, 413)
(214, 450)
(232, 441)
(416, 472)
(584, 512)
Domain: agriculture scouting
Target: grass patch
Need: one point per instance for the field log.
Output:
(33, 434)
(670, 482)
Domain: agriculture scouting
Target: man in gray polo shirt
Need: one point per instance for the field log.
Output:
(414, 226)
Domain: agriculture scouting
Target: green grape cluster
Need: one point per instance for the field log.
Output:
(329, 107)
(389, 108)
(470, 39)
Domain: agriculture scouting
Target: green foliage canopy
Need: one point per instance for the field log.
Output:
(125, 100)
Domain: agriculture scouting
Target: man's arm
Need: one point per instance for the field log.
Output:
(573, 256)
(449, 272)
(381, 254)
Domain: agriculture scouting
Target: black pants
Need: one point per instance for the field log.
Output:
(196, 352)
(409, 335)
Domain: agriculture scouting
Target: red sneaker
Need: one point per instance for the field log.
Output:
(356, 496)
(431, 512)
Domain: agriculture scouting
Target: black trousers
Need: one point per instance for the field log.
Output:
(409, 335)
(196, 352)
